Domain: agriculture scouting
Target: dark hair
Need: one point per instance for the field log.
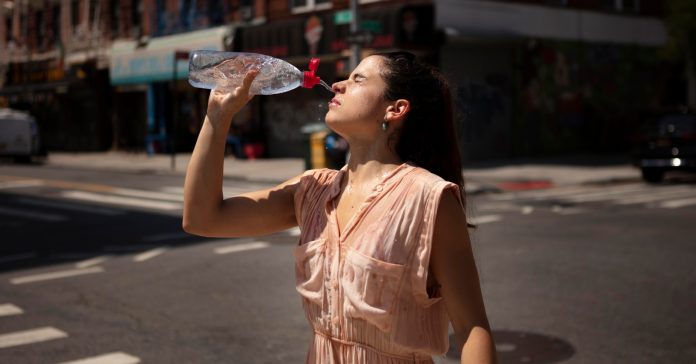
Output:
(427, 136)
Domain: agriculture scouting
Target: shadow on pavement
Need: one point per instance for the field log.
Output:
(524, 347)
(62, 235)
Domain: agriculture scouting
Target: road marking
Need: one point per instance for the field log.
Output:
(485, 219)
(555, 192)
(604, 194)
(124, 201)
(30, 336)
(148, 194)
(9, 309)
(71, 207)
(294, 231)
(21, 183)
(127, 248)
(15, 257)
(55, 275)
(526, 210)
(32, 215)
(165, 236)
(149, 254)
(498, 207)
(678, 203)
(92, 262)
(567, 210)
(111, 358)
(242, 247)
(657, 195)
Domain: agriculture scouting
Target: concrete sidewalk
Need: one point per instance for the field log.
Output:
(490, 177)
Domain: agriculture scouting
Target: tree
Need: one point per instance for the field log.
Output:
(681, 27)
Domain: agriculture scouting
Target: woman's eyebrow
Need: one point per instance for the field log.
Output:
(358, 75)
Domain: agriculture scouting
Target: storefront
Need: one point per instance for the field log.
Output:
(545, 81)
(325, 36)
(71, 105)
(154, 106)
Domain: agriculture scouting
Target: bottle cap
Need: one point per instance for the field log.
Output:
(310, 80)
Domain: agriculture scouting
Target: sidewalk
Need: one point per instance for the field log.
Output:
(480, 178)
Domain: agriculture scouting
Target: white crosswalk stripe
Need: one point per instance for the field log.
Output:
(55, 275)
(668, 197)
(30, 336)
(242, 247)
(110, 358)
(122, 200)
(8, 309)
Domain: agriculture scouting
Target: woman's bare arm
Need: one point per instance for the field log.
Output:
(452, 263)
(205, 211)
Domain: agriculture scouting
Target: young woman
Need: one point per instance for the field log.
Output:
(384, 260)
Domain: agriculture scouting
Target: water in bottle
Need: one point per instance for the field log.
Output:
(226, 70)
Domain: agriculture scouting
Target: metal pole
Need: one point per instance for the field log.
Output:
(174, 111)
(354, 28)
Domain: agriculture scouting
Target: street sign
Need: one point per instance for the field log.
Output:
(343, 17)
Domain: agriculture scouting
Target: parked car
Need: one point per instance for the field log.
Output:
(19, 136)
(668, 145)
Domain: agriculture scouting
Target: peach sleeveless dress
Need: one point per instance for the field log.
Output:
(364, 288)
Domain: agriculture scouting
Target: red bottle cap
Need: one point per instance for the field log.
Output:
(310, 80)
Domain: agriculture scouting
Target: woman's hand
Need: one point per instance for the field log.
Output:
(223, 104)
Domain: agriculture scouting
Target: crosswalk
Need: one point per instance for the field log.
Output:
(114, 201)
(649, 196)
(38, 335)
(101, 201)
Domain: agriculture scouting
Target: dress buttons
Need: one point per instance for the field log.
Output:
(378, 188)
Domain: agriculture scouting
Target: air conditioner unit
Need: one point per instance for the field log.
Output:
(246, 12)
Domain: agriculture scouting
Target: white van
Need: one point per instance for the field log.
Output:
(19, 136)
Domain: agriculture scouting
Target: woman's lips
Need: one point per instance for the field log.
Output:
(334, 102)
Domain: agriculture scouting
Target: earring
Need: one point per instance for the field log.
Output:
(385, 125)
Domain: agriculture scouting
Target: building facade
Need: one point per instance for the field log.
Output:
(529, 77)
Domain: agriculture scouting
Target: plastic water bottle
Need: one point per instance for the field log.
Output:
(226, 70)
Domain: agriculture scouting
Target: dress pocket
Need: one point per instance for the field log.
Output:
(370, 288)
(309, 269)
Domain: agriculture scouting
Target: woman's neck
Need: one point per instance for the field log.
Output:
(369, 162)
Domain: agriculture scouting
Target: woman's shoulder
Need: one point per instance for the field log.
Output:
(423, 177)
(320, 174)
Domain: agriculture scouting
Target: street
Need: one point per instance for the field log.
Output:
(95, 264)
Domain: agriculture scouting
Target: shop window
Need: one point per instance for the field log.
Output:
(301, 6)
(137, 17)
(114, 15)
(75, 13)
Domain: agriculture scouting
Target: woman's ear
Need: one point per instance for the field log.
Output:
(396, 112)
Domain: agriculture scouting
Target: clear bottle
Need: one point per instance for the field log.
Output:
(226, 70)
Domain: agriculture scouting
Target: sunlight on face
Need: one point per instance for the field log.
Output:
(358, 106)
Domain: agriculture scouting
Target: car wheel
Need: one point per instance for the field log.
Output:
(653, 175)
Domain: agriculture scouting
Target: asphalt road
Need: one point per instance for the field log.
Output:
(95, 264)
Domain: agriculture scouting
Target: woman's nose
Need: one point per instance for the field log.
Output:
(337, 87)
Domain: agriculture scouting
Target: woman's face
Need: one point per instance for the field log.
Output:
(358, 106)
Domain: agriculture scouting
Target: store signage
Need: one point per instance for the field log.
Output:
(343, 17)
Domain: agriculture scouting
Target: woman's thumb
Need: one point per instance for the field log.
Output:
(248, 79)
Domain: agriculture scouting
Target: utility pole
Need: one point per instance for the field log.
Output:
(354, 29)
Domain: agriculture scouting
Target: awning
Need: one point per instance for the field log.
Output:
(154, 61)
(481, 19)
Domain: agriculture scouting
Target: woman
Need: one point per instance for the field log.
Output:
(384, 260)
